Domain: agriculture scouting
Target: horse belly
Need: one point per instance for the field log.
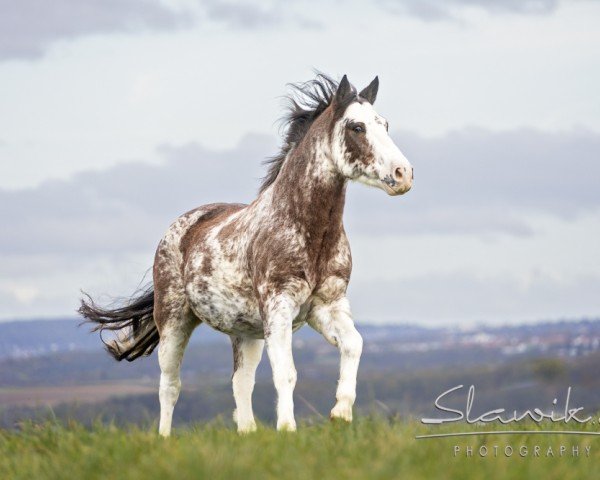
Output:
(229, 307)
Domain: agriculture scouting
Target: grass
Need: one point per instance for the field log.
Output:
(371, 448)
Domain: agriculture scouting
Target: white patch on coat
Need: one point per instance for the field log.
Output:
(388, 159)
(323, 168)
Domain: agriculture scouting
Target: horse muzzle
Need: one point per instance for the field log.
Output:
(399, 182)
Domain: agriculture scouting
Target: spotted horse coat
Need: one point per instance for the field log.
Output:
(258, 272)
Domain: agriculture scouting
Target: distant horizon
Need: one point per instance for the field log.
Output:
(440, 325)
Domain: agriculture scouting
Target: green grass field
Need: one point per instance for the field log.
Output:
(368, 449)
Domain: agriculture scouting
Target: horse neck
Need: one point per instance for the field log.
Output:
(310, 192)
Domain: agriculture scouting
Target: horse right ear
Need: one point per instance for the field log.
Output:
(344, 89)
(370, 93)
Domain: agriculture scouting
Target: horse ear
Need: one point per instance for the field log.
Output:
(344, 89)
(370, 93)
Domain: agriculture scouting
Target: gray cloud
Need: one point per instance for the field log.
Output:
(471, 181)
(474, 180)
(255, 15)
(430, 10)
(94, 210)
(28, 27)
(243, 15)
(461, 296)
(528, 168)
(98, 229)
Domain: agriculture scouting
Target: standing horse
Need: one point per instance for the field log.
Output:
(258, 272)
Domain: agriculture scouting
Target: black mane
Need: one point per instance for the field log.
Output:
(305, 103)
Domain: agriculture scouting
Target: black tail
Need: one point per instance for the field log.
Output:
(135, 317)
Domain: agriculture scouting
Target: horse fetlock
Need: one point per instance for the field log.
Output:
(286, 425)
(245, 423)
(247, 426)
(342, 411)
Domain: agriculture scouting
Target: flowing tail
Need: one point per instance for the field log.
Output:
(134, 320)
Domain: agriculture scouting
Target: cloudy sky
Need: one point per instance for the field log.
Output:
(118, 115)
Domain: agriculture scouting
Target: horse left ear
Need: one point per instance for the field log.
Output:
(370, 93)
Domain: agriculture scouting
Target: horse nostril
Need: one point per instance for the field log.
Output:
(398, 173)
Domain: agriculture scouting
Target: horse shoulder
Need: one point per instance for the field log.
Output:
(198, 238)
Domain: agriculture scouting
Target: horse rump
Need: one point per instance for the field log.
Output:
(134, 321)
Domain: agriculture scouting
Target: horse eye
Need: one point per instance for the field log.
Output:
(358, 129)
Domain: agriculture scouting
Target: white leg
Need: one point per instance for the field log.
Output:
(170, 353)
(247, 353)
(334, 322)
(280, 313)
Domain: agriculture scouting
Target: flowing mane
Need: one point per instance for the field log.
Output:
(305, 102)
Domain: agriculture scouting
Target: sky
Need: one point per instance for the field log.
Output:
(116, 116)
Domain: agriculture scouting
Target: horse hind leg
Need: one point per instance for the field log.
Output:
(177, 323)
(247, 353)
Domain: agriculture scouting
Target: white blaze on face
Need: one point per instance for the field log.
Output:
(390, 171)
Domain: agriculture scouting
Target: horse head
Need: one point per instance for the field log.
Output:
(361, 146)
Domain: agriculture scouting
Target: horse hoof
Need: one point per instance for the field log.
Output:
(250, 428)
(341, 412)
(286, 427)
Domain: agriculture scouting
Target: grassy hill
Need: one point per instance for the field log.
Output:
(370, 448)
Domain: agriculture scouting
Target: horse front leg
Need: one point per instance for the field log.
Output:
(247, 353)
(279, 314)
(334, 321)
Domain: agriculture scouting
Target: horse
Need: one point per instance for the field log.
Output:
(258, 272)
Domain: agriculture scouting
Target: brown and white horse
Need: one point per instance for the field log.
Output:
(258, 272)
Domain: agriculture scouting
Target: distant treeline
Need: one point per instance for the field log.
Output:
(522, 384)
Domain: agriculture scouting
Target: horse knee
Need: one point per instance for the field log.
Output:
(352, 344)
(242, 382)
(285, 378)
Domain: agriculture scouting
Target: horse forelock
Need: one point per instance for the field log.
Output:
(305, 103)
